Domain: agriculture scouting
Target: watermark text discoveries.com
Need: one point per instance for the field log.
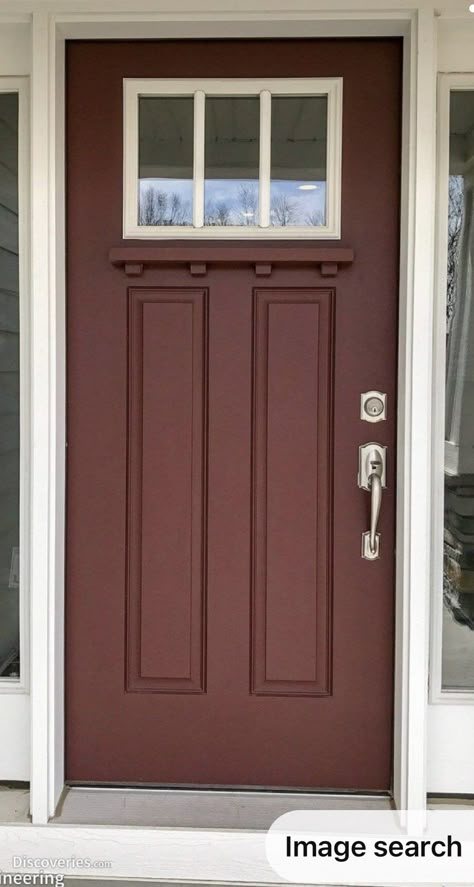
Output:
(47, 871)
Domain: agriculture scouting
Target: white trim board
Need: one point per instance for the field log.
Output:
(15, 737)
(414, 416)
(450, 765)
(203, 855)
(14, 48)
(346, 9)
(48, 428)
(167, 856)
(48, 417)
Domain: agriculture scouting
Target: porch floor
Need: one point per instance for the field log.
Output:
(191, 809)
(14, 804)
(181, 808)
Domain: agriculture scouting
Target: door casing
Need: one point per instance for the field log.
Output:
(48, 352)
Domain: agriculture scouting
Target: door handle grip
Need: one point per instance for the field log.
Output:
(372, 477)
(375, 483)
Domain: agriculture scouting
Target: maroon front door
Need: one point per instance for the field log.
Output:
(222, 626)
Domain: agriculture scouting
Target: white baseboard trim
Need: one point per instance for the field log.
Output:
(192, 855)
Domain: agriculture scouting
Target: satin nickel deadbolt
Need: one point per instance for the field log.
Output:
(373, 406)
(372, 477)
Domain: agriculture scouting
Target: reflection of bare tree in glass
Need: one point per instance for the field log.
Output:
(248, 200)
(241, 212)
(455, 220)
(159, 208)
(283, 211)
(147, 207)
(458, 572)
(316, 218)
(217, 213)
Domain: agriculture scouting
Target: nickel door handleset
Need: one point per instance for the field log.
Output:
(373, 478)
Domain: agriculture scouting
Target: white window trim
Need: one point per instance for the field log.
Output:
(20, 85)
(135, 88)
(446, 84)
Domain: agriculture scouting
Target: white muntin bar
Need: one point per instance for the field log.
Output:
(265, 157)
(199, 138)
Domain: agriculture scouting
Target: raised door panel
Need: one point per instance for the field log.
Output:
(166, 490)
(292, 456)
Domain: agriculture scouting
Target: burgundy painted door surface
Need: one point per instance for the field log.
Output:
(222, 627)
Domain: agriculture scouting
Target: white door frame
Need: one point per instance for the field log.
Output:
(50, 30)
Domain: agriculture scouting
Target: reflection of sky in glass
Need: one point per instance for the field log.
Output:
(297, 203)
(231, 202)
(165, 202)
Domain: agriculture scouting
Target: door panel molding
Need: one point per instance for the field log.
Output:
(166, 595)
(291, 637)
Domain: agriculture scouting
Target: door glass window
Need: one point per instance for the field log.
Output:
(298, 174)
(165, 161)
(458, 575)
(9, 390)
(232, 160)
(205, 157)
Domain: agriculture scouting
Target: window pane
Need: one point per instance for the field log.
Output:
(9, 389)
(232, 160)
(298, 168)
(458, 591)
(165, 165)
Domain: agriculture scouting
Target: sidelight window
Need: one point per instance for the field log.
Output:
(13, 260)
(232, 158)
(453, 646)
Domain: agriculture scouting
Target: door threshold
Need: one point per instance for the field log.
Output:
(208, 788)
(199, 808)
